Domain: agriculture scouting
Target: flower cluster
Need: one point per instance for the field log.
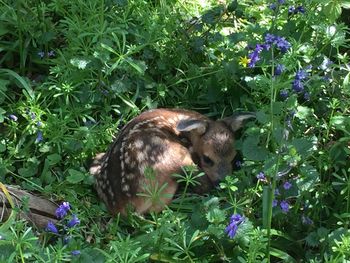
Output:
(61, 214)
(49, 54)
(261, 177)
(270, 40)
(235, 221)
(295, 10)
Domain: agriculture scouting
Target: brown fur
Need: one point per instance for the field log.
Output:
(157, 144)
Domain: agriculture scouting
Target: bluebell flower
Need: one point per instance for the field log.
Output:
(39, 124)
(235, 221)
(51, 227)
(287, 185)
(291, 10)
(273, 6)
(13, 117)
(282, 44)
(62, 210)
(73, 222)
(39, 136)
(284, 206)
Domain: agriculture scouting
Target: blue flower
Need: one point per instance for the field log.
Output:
(277, 192)
(51, 53)
(41, 54)
(261, 177)
(13, 117)
(301, 75)
(287, 185)
(39, 136)
(76, 252)
(274, 203)
(307, 96)
(306, 220)
(235, 221)
(284, 206)
(238, 164)
(279, 69)
(73, 222)
(62, 210)
(284, 94)
(51, 228)
(281, 43)
(39, 124)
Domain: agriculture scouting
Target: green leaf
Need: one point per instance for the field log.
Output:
(54, 158)
(309, 177)
(345, 4)
(282, 255)
(75, 176)
(23, 83)
(216, 215)
(304, 146)
(252, 151)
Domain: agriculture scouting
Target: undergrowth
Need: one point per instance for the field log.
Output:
(73, 72)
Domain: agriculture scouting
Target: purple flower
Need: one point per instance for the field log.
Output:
(287, 185)
(273, 6)
(39, 124)
(51, 53)
(41, 54)
(306, 220)
(238, 164)
(253, 58)
(301, 75)
(261, 177)
(66, 239)
(32, 115)
(277, 192)
(76, 252)
(291, 10)
(284, 206)
(281, 2)
(51, 228)
(307, 96)
(235, 221)
(269, 39)
(73, 222)
(13, 117)
(280, 42)
(274, 203)
(39, 136)
(297, 85)
(62, 210)
(284, 94)
(300, 9)
(279, 69)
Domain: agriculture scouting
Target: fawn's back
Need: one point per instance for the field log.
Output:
(157, 144)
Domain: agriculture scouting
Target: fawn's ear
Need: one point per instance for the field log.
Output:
(192, 125)
(237, 121)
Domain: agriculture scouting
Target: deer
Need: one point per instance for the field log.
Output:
(164, 141)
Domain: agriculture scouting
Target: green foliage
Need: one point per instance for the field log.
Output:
(73, 72)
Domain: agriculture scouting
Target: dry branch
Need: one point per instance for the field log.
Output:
(39, 212)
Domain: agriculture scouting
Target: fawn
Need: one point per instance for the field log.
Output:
(164, 141)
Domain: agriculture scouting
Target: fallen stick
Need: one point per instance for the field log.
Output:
(37, 210)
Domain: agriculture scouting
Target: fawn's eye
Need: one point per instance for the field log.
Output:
(207, 160)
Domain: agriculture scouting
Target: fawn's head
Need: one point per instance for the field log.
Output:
(213, 143)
